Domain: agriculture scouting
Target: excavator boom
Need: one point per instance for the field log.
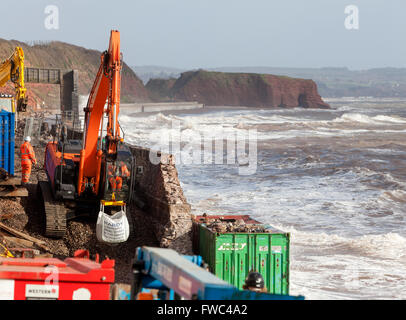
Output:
(106, 88)
(13, 69)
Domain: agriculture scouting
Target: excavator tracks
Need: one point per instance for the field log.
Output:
(55, 212)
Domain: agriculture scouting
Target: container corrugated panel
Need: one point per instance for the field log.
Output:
(7, 141)
(231, 256)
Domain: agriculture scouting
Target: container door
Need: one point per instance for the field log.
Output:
(231, 257)
(271, 258)
(240, 253)
(263, 265)
(278, 281)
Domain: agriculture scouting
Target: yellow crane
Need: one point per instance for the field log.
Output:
(13, 69)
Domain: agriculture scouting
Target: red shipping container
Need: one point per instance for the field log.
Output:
(77, 278)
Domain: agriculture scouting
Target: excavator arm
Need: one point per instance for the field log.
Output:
(100, 171)
(13, 69)
(106, 88)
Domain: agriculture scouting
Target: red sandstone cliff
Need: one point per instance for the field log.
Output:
(239, 89)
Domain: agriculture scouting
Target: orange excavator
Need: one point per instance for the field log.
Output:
(83, 174)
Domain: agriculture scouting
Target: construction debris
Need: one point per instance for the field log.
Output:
(24, 253)
(4, 176)
(5, 216)
(5, 252)
(9, 208)
(220, 226)
(18, 241)
(10, 187)
(25, 236)
(10, 181)
(21, 192)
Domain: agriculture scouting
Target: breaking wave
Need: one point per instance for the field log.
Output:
(379, 119)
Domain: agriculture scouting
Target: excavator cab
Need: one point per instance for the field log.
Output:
(7, 102)
(118, 175)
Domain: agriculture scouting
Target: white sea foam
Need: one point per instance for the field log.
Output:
(153, 127)
(379, 119)
(395, 195)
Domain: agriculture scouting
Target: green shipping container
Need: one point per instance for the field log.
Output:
(231, 256)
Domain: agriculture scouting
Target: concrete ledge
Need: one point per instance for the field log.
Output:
(159, 107)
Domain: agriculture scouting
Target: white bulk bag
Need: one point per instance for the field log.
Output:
(112, 229)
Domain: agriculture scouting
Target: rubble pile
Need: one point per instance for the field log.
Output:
(238, 225)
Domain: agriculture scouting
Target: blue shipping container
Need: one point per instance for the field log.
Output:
(7, 141)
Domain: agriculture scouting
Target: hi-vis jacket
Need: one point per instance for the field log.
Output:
(27, 153)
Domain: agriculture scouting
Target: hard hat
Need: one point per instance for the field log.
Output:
(28, 139)
(255, 280)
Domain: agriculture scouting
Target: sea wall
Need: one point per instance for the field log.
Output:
(161, 107)
(158, 193)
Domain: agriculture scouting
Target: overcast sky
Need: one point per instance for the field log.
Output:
(218, 33)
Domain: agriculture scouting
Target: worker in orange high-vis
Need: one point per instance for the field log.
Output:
(27, 160)
(116, 178)
(125, 173)
(111, 177)
(124, 170)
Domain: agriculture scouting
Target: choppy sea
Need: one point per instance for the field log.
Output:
(335, 179)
